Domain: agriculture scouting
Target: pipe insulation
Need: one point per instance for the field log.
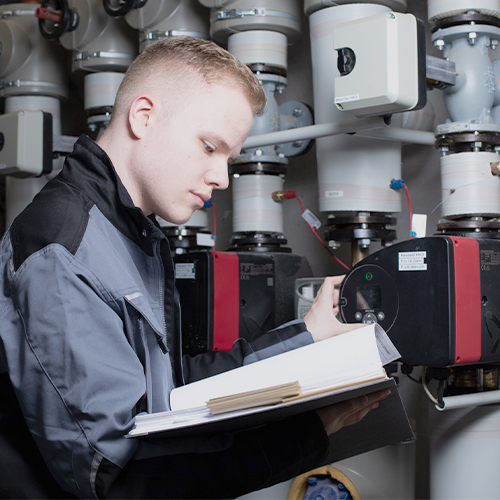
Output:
(254, 208)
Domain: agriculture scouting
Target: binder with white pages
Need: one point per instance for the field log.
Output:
(327, 372)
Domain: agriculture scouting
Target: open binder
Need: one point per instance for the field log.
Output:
(325, 373)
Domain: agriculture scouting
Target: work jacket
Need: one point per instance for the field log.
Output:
(90, 325)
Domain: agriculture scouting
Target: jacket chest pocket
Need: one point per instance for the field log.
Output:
(149, 342)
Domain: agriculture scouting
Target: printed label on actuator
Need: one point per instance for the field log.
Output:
(185, 271)
(412, 261)
(490, 257)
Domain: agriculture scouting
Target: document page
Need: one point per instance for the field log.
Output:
(349, 358)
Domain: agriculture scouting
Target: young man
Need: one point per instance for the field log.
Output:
(90, 331)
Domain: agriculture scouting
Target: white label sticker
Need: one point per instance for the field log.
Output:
(205, 240)
(185, 271)
(412, 261)
(311, 219)
(347, 98)
(334, 194)
(418, 225)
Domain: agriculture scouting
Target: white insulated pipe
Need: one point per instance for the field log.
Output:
(400, 135)
(470, 400)
(464, 449)
(257, 46)
(314, 131)
(254, 208)
(468, 184)
(100, 89)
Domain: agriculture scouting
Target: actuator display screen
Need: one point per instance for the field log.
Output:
(369, 297)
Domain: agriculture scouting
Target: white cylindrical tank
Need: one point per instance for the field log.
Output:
(254, 208)
(233, 16)
(438, 9)
(311, 6)
(100, 89)
(263, 47)
(199, 219)
(100, 92)
(468, 185)
(354, 173)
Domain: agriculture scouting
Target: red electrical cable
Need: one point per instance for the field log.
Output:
(212, 204)
(293, 194)
(409, 207)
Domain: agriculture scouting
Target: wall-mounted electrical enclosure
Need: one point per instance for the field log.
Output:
(382, 64)
(25, 143)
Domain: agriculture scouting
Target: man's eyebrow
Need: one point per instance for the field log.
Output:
(224, 146)
(221, 142)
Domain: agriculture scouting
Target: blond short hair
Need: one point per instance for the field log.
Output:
(173, 58)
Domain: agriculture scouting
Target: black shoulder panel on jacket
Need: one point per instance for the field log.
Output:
(58, 214)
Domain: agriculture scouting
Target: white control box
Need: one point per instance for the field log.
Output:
(306, 290)
(25, 143)
(382, 65)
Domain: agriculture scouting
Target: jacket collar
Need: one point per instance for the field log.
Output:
(90, 169)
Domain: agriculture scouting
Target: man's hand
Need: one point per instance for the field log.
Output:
(321, 318)
(349, 412)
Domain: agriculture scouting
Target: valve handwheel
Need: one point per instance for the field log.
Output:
(123, 7)
(55, 17)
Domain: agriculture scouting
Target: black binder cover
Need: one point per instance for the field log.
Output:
(387, 424)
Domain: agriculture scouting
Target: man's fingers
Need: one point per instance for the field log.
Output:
(375, 397)
(350, 412)
(336, 280)
(357, 408)
(361, 402)
(331, 285)
(357, 416)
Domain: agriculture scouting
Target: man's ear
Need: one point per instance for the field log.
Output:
(141, 115)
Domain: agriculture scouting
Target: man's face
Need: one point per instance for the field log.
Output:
(187, 153)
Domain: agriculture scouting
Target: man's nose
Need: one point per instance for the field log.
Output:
(218, 176)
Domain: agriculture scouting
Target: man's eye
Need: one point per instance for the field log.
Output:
(208, 148)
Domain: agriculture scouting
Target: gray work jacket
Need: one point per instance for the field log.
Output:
(90, 321)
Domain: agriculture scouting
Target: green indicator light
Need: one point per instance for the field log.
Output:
(368, 276)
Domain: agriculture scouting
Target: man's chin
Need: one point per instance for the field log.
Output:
(179, 220)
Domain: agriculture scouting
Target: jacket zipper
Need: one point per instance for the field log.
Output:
(162, 343)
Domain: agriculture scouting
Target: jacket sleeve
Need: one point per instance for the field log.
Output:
(284, 338)
(257, 458)
(76, 377)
